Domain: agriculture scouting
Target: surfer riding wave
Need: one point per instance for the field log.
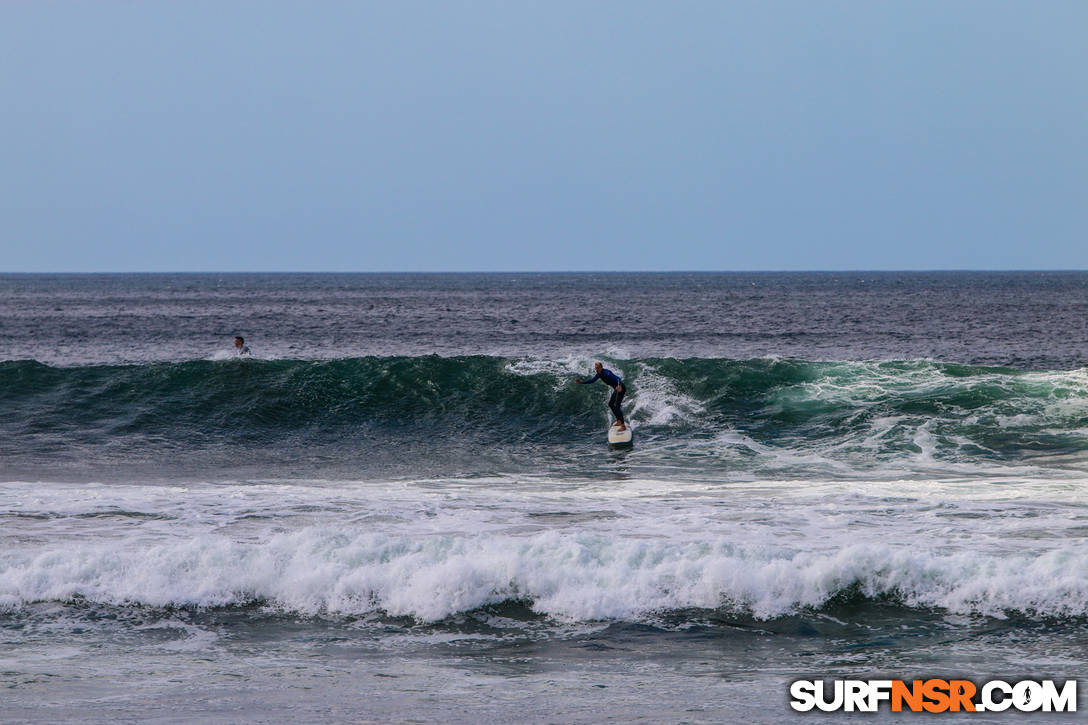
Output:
(615, 401)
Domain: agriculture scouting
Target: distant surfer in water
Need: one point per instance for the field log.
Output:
(240, 347)
(613, 381)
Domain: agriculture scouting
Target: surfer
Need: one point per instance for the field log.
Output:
(613, 381)
(240, 347)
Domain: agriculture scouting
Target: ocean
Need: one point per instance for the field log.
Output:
(401, 507)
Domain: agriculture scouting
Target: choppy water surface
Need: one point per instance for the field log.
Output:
(402, 507)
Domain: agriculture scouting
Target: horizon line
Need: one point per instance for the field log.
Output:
(935, 270)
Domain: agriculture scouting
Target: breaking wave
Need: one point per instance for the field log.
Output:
(834, 416)
(567, 576)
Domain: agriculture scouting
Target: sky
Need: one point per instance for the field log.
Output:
(543, 136)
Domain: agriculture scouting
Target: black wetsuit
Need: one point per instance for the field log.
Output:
(615, 401)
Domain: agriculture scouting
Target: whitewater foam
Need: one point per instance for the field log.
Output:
(569, 576)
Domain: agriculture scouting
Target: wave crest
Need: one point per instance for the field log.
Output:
(575, 577)
(854, 415)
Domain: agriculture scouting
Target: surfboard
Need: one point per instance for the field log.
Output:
(617, 437)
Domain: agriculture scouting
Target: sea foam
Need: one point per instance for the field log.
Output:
(571, 576)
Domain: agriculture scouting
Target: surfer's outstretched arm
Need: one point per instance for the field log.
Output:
(591, 380)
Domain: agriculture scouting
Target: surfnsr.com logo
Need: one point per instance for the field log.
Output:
(934, 695)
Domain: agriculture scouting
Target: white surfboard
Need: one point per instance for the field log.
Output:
(617, 436)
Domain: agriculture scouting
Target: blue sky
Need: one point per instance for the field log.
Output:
(479, 136)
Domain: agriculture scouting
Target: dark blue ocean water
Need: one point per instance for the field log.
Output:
(401, 507)
(1028, 320)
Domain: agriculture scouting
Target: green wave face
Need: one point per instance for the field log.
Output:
(486, 414)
